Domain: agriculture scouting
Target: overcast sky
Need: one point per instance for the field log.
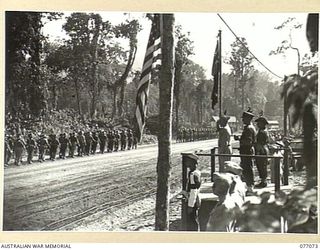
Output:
(257, 28)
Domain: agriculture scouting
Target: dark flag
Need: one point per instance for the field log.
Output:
(216, 68)
(143, 89)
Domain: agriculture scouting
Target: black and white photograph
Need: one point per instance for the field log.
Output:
(146, 121)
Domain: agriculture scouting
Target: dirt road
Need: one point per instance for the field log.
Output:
(86, 192)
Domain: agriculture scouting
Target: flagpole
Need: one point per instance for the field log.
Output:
(220, 73)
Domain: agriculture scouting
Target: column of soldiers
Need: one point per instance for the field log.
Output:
(195, 134)
(80, 144)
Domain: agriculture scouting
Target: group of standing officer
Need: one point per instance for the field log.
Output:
(80, 144)
(254, 143)
(251, 143)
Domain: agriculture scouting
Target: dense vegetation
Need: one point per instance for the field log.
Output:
(88, 76)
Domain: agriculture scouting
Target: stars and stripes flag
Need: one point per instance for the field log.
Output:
(216, 68)
(154, 46)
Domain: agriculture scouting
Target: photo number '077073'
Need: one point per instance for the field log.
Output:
(309, 245)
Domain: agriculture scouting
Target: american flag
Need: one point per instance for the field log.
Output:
(154, 44)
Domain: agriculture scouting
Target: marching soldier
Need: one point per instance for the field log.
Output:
(135, 141)
(7, 151)
(81, 143)
(53, 146)
(184, 135)
(94, 144)
(116, 140)
(42, 146)
(19, 147)
(31, 146)
(88, 142)
(130, 139)
(179, 132)
(73, 142)
(102, 141)
(110, 141)
(64, 142)
(123, 138)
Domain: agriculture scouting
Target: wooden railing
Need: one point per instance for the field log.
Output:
(213, 155)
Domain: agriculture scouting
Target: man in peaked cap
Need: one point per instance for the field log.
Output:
(261, 148)
(247, 142)
(193, 187)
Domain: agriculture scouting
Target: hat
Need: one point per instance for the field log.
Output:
(222, 176)
(233, 167)
(192, 156)
(224, 119)
(221, 183)
(247, 113)
(262, 119)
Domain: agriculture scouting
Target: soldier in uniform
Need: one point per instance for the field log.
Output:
(110, 141)
(42, 146)
(130, 139)
(102, 141)
(247, 142)
(73, 142)
(261, 148)
(135, 141)
(7, 151)
(64, 143)
(192, 194)
(117, 140)
(31, 146)
(81, 143)
(19, 147)
(184, 135)
(179, 135)
(53, 146)
(189, 134)
(224, 143)
(123, 138)
(88, 142)
(94, 144)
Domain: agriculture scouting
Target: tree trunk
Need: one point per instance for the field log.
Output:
(165, 132)
(94, 54)
(122, 81)
(177, 82)
(76, 86)
(114, 109)
(120, 108)
(242, 96)
(177, 115)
